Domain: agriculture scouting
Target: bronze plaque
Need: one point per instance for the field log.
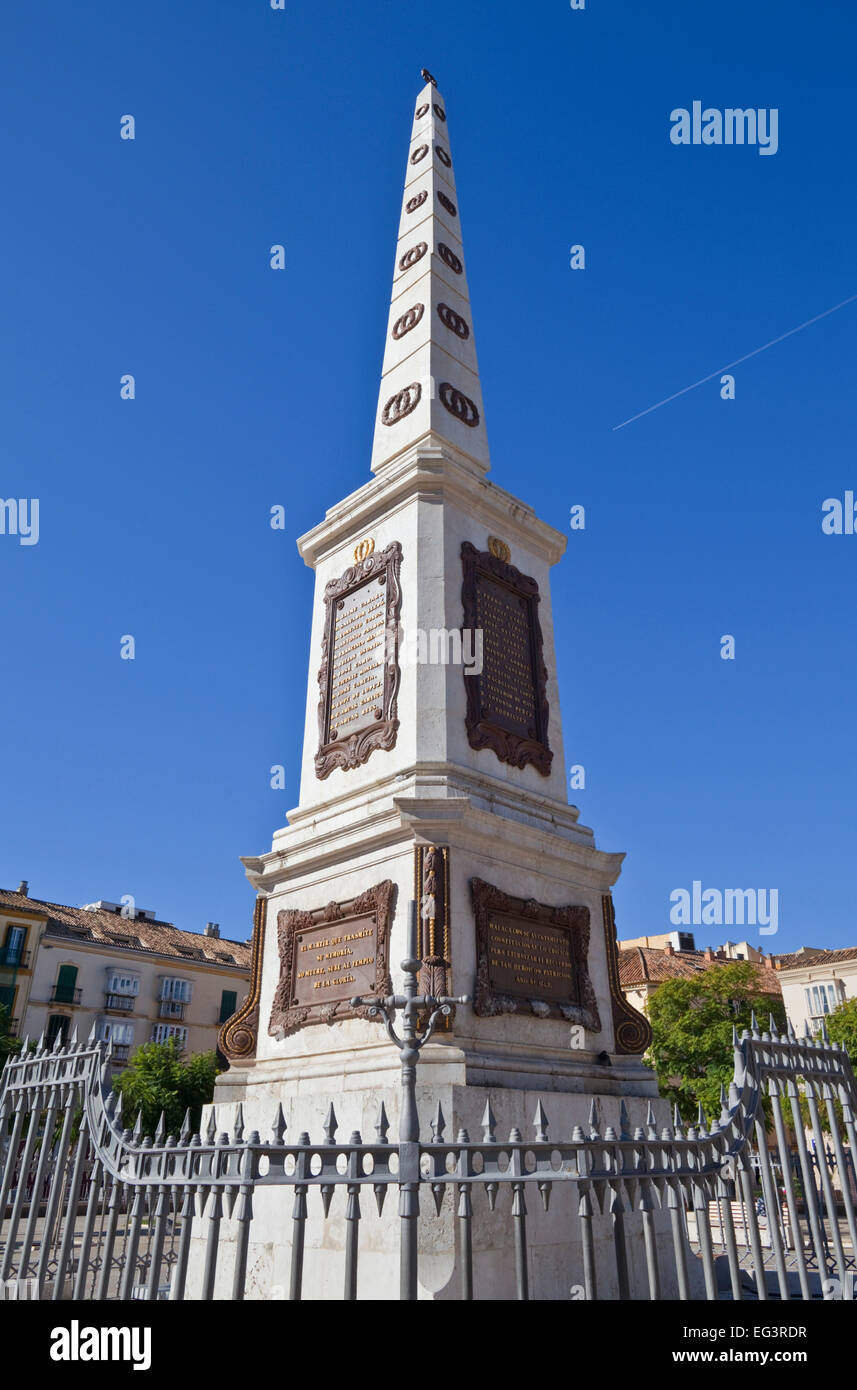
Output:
(507, 708)
(334, 963)
(330, 954)
(532, 958)
(359, 675)
(529, 960)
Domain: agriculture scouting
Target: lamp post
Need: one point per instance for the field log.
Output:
(410, 1004)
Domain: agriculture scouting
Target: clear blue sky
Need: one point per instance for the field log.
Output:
(256, 387)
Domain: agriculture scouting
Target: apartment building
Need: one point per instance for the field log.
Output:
(136, 978)
(814, 982)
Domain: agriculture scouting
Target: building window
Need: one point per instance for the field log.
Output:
(57, 1027)
(108, 1031)
(117, 983)
(162, 1031)
(13, 947)
(7, 998)
(821, 999)
(65, 989)
(228, 1000)
(178, 991)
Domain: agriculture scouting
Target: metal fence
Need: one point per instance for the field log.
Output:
(736, 1209)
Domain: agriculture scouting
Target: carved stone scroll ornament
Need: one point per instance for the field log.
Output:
(355, 740)
(237, 1038)
(507, 706)
(339, 934)
(631, 1029)
(532, 958)
(431, 891)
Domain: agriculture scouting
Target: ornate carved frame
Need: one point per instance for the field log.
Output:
(355, 748)
(237, 1038)
(510, 746)
(631, 1029)
(574, 920)
(287, 1016)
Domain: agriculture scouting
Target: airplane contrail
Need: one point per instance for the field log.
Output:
(736, 363)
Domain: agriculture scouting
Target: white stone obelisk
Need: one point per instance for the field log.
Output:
(437, 806)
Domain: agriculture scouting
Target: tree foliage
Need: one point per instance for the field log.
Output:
(9, 1046)
(842, 1026)
(159, 1079)
(692, 1024)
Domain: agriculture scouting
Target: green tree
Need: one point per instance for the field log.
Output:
(692, 1024)
(158, 1078)
(842, 1026)
(9, 1046)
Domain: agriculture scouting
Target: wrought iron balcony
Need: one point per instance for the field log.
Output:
(65, 994)
(14, 958)
(171, 1008)
(120, 1003)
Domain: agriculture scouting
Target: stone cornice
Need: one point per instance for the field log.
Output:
(431, 470)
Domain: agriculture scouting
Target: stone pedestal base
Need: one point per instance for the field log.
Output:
(554, 1253)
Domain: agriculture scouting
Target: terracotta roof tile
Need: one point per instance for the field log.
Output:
(816, 956)
(131, 933)
(642, 965)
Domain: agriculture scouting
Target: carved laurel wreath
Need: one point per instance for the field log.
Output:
(401, 404)
(449, 257)
(417, 201)
(453, 321)
(459, 405)
(409, 319)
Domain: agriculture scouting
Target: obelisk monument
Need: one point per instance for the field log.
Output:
(433, 769)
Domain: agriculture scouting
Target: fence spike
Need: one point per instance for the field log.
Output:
(650, 1116)
(593, 1119)
(73, 1042)
(331, 1125)
(57, 1047)
(438, 1191)
(138, 1127)
(491, 1194)
(754, 1024)
(545, 1190)
(117, 1114)
(238, 1127)
(91, 1039)
(624, 1130)
(790, 1032)
(380, 1189)
(40, 1045)
(382, 1125)
(279, 1127)
(184, 1132)
(540, 1124)
(824, 1034)
(326, 1197)
(159, 1129)
(489, 1124)
(211, 1127)
(438, 1125)
(724, 1105)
